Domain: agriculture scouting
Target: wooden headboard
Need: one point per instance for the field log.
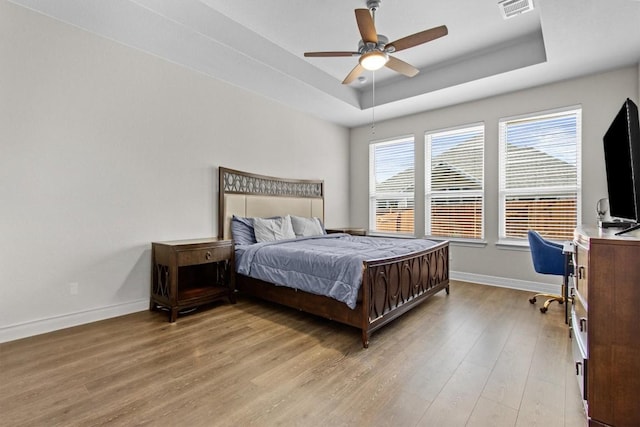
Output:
(251, 195)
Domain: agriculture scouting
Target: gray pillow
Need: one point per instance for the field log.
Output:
(270, 229)
(306, 226)
(242, 230)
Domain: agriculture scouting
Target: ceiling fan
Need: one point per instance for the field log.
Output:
(374, 48)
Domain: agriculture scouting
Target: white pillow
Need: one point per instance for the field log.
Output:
(270, 229)
(306, 226)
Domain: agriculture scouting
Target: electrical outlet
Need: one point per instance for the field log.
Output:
(73, 288)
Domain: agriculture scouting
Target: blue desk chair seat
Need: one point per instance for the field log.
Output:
(548, 258)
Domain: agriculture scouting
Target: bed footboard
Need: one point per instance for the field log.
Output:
(393, 286)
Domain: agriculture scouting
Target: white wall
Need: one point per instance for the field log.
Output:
(600, 96)
(104, 149)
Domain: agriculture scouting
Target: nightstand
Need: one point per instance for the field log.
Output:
(354, 231)
(189, 273)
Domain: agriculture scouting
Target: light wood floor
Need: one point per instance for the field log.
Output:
(482, 356)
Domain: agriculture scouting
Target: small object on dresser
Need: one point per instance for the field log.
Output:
(602, 207)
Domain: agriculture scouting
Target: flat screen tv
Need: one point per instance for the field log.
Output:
(622, 162)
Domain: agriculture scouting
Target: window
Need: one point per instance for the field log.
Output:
(391, 186)
(454, 183)
(540, 175)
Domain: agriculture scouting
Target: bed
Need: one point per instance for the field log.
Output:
(389, 286)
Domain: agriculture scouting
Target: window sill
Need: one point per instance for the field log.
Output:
(513, 245)
(472, 243)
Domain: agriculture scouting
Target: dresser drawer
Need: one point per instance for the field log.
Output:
(204, 256)
(580, 359)
(581, 272)
(579, 319)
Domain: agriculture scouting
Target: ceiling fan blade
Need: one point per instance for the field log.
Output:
(401, 67)
(323, 54)
(419, 38)
(366, 26)
(357, 70)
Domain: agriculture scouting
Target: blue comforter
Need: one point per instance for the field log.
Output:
(329, 265)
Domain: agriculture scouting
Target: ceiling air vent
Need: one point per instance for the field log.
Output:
(511, 8)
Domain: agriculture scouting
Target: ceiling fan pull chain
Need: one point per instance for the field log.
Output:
(373, 107)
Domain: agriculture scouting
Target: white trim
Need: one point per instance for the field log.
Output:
(393, 139)
(41, 326)
(471, 243)
(505, 282)
(515, 244)
(454, 129)
(458, 241)
(537, 114)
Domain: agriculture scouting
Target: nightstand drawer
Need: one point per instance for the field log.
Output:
(203, 256)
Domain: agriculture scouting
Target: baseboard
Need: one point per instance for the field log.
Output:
(41, 326)
(505, 282)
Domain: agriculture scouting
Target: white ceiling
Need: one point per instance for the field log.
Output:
(259, 46)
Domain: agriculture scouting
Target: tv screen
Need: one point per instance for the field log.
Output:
(622, 162)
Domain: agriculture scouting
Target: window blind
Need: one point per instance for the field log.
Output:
(454, 183)
(392, 185)
(540, 175)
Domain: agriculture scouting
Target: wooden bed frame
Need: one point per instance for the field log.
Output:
(390, 287)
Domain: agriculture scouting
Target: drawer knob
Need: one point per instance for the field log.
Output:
(207, 255)
(578, 366)
(583, 324)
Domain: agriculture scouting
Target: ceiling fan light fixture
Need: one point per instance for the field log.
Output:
(373, 60)
(374, 49)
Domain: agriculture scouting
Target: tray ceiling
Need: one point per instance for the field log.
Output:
(259, 46)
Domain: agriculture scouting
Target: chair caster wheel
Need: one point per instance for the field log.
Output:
(543, 309)
(532, 300)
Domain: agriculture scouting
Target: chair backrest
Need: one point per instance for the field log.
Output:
(547, 256)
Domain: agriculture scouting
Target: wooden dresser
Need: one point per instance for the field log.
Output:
(605, 322)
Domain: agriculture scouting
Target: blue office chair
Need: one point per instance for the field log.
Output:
(548, 258)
